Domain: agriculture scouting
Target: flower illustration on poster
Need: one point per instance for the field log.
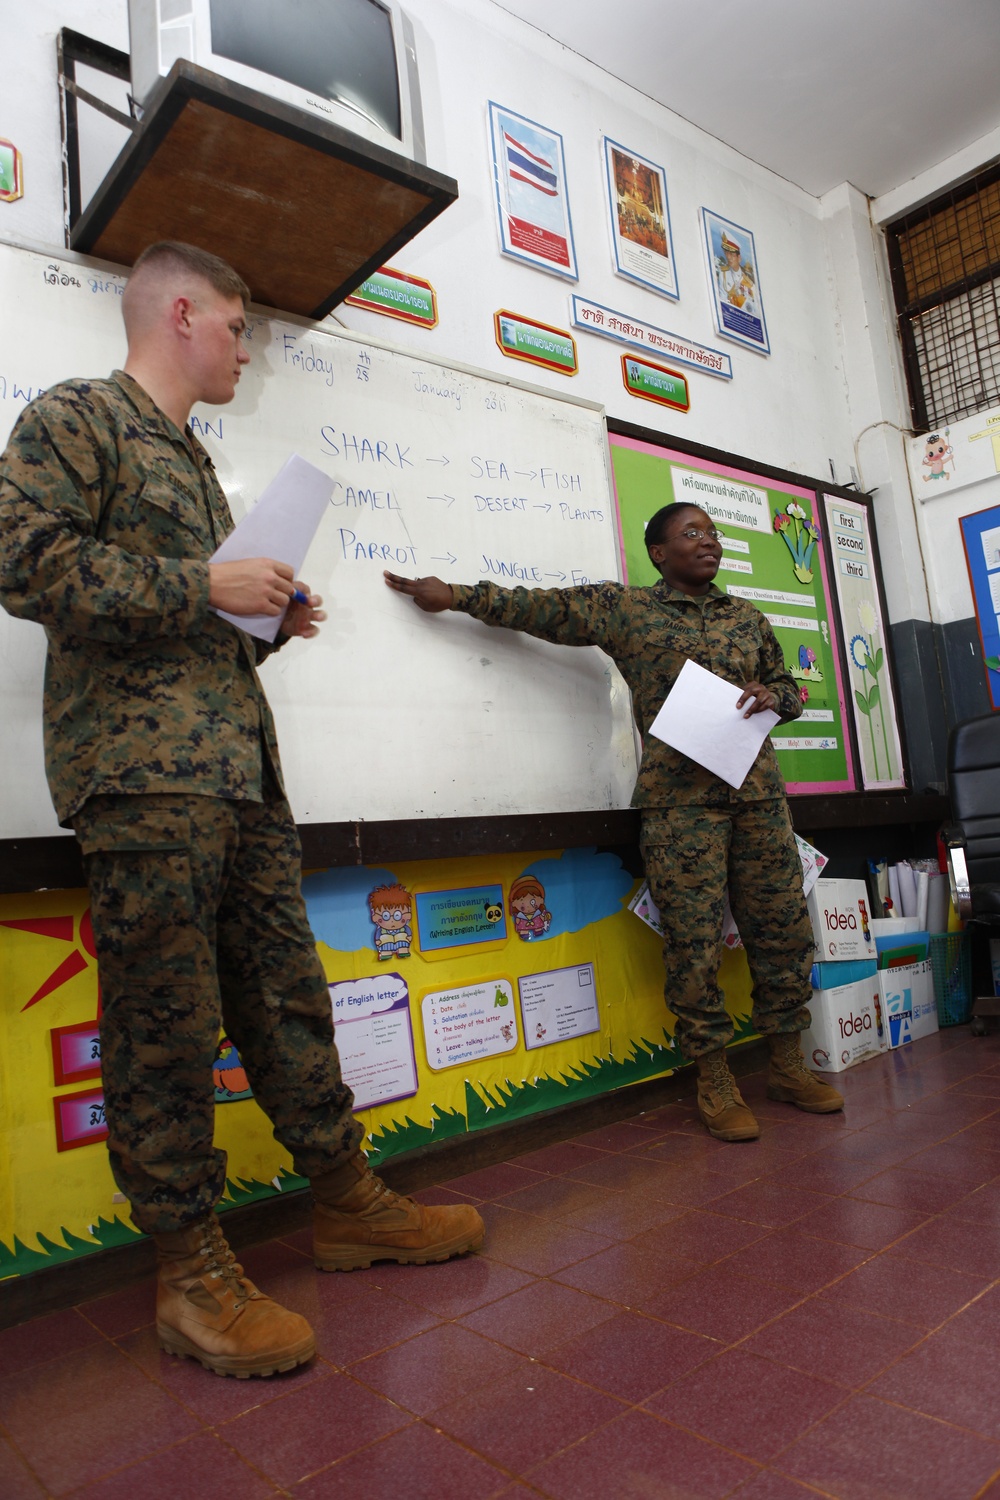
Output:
(800, 535)
(868, 659)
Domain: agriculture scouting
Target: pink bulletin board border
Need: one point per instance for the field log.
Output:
(749, 476)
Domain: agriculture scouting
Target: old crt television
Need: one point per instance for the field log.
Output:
(350, 62)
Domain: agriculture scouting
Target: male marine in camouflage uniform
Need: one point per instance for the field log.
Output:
(161, 755)
(698, 833)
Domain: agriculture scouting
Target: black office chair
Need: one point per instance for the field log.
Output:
(973, 838)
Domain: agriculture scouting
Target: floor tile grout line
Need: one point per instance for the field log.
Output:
(168, 1448)
(927, 1416)
(985, 1488)
(767, 1230)
(19, 1453)
(809, 1485)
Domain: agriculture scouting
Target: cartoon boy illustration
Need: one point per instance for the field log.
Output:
(937, 452)
(735, 280)
(527, 902)
(392, 912)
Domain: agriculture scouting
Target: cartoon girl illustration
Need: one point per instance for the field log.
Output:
(391, 911)
(527, 902)
(937, 452)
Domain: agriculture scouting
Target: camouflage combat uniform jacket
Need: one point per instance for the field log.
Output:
(649, 633)
(108, 514)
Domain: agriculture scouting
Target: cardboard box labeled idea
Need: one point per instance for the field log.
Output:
(847, 1026)
(840, 920)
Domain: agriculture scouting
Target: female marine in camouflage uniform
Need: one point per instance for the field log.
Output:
(699, 835)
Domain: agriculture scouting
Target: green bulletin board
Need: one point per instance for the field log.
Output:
(773, 556)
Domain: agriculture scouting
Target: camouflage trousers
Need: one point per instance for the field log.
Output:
(200, 924)
(691, 855)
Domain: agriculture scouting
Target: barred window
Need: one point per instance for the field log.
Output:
(945, 263)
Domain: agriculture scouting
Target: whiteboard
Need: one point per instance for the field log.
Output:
(437, 468)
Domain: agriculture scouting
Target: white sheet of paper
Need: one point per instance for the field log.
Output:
(281, 525)
(700, 719)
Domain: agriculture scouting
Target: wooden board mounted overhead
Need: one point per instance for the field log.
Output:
(303, 210)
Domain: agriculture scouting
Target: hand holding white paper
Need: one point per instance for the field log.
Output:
(281, 526)
(699, 718)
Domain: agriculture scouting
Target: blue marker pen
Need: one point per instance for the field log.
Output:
(298, 597)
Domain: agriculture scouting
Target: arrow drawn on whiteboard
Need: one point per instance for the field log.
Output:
(449, 500)
(548, 506)
(441, 460)
(561, 576)
(451, 558)
(527, 473)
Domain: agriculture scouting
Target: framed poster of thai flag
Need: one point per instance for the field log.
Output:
(529, 176)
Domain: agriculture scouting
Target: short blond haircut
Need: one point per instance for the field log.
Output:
(175, 255)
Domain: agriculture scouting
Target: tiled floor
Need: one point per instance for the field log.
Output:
(655, 1314)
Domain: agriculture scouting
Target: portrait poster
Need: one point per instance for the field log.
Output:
(529, 177)
(641, 238)
(734, 282)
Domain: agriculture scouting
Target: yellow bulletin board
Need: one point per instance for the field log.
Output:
(547, 1001)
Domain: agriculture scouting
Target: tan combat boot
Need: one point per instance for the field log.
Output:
(358, 1219)
(207, 1310)
(720, 1103)
(789, 1079)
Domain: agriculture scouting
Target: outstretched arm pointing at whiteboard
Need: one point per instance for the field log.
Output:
(431, 595)
(699, 834)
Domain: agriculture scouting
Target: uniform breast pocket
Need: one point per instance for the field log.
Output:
(744, 652)
(167, 517)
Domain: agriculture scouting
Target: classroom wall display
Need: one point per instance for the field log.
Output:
(529, 181)
(536, 343)
(949, 458)
(433, 1046)
(854, 564)
(609, 324)
(11, 172)
(228, 1074)
(458, 918)
(397, 295)
(734, 282)
(375, 1038)
(652, 382)
(772, 556)
(436, 469)
(639, 218)
(981, 540)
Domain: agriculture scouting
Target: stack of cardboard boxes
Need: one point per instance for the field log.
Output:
(872, 989)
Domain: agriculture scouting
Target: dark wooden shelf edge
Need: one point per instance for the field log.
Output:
(38, 864)
(867, 809)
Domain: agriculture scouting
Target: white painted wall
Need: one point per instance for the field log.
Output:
(834, 370)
